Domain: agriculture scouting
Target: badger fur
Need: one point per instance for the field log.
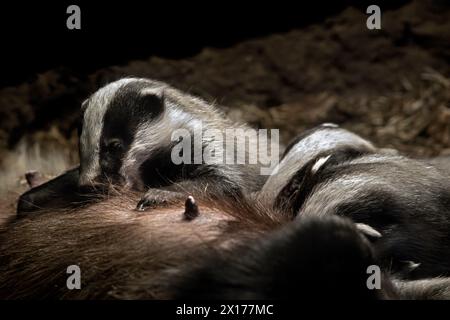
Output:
(305, 147)
(442, 163)
(126, 138)
(190, 248)
(127, 133)
(226, 250)
(407, 201)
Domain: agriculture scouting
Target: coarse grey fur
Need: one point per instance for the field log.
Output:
(126, 139)
(424, 289)
(94, 110)
(306, 147)
(442, 163)
(154, 134)
(407, 201)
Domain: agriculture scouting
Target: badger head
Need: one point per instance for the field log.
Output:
(121, 124)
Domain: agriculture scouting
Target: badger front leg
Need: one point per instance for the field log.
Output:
(156, 197)
(211, 187)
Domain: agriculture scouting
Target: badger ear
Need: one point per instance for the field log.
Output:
(153, 100)
(368, 231)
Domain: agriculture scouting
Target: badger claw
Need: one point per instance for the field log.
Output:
(144, 204)
(147, 203)
(157, 198)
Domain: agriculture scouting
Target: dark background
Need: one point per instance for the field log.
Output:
(34, 37)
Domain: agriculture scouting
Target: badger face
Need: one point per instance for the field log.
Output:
(112, 117)
(305, 147)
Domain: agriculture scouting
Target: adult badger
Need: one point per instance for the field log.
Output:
(126, 138)
(202, 248)
(331, 171)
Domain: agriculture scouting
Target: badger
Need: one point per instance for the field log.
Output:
(127, 138)
(331, 171)
(194, 248)
(305, 147)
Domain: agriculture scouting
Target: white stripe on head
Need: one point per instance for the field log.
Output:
(92, 129)
(322, 140)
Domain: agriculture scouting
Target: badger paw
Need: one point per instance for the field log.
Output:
(154, 198)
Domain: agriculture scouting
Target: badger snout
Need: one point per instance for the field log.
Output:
(89, 180)
(100, 182)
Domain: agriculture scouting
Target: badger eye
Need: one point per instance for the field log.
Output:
(114, 145)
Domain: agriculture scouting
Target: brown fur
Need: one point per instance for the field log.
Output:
(125, 254)
(117, 248)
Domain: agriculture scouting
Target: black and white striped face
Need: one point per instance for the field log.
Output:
(113, 117)
(307, 146)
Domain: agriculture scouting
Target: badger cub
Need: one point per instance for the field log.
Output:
(404, 202)
(127, 139)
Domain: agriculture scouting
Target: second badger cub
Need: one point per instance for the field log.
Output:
(403, 203)
(127, 138)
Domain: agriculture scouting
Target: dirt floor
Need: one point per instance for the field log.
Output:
(390, 85)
